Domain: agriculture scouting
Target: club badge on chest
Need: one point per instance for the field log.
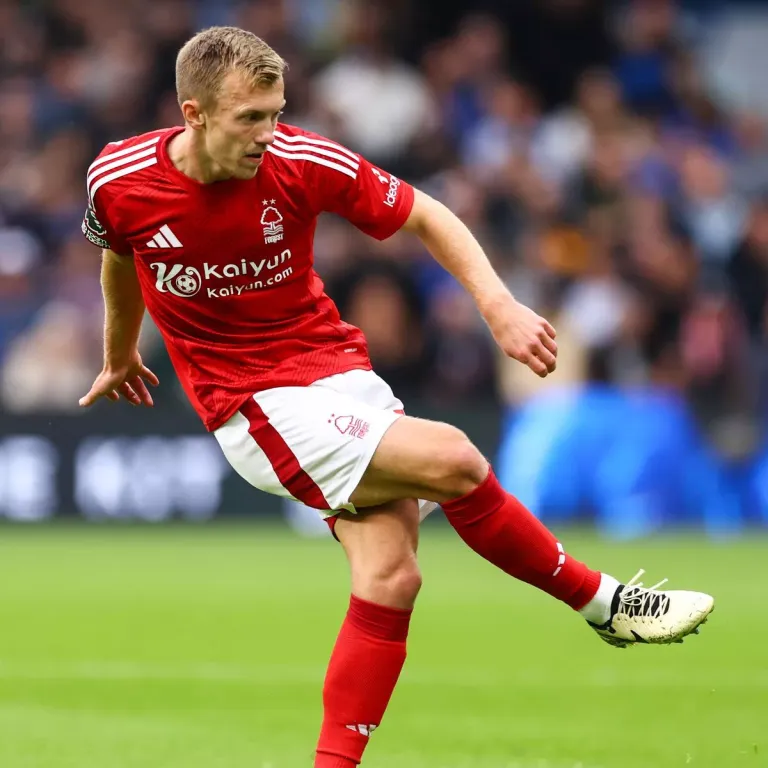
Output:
(271, 221)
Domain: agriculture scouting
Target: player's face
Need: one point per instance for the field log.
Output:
(242, 125)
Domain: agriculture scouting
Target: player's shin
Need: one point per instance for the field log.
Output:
(500, 529)
(364, 668)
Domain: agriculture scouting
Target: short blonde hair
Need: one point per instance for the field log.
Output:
(205, 60)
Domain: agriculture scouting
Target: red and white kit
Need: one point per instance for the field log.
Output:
(226, 271)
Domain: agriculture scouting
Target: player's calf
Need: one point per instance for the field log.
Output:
(371, 648)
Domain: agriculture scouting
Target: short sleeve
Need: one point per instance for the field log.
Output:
(97, 230)
(375, 201)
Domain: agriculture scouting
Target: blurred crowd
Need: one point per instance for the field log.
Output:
(612, 186)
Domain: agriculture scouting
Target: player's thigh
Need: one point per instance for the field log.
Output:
(373, 390)
(421, 459)
(381, 544)
(311, 443)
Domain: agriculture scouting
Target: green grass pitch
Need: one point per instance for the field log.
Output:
(205, 647)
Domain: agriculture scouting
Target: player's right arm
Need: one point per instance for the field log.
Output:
(123, 372)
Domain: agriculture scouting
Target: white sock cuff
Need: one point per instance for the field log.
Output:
(598, 609)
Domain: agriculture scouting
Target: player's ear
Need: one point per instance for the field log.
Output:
(193, 113)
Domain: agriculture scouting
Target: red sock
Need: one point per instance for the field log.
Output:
(364, 668)
(500, 529)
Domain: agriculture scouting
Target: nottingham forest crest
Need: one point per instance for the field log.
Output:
(271, 220)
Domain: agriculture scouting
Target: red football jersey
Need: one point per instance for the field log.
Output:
(226, 269)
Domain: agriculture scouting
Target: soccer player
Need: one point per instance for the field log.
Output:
(210, 227)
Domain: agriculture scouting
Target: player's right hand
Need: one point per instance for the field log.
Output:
(127, 380)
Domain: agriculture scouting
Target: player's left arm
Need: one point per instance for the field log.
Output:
(518, 330)
(380, 204)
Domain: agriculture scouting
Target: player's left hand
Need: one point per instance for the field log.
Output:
(524, 336)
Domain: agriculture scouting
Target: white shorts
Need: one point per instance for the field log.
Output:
(314, 443)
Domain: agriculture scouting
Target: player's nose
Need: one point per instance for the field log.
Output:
(265, 138)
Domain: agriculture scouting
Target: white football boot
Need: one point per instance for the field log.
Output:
(649, 615)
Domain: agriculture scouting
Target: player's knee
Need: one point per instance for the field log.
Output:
(405, 583)
(460, 466)
(397, 584)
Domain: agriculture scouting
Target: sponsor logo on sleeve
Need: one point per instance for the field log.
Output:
(393, 186)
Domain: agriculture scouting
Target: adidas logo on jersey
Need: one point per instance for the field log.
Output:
(164, 239)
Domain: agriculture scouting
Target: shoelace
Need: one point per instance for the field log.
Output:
(639, 601)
